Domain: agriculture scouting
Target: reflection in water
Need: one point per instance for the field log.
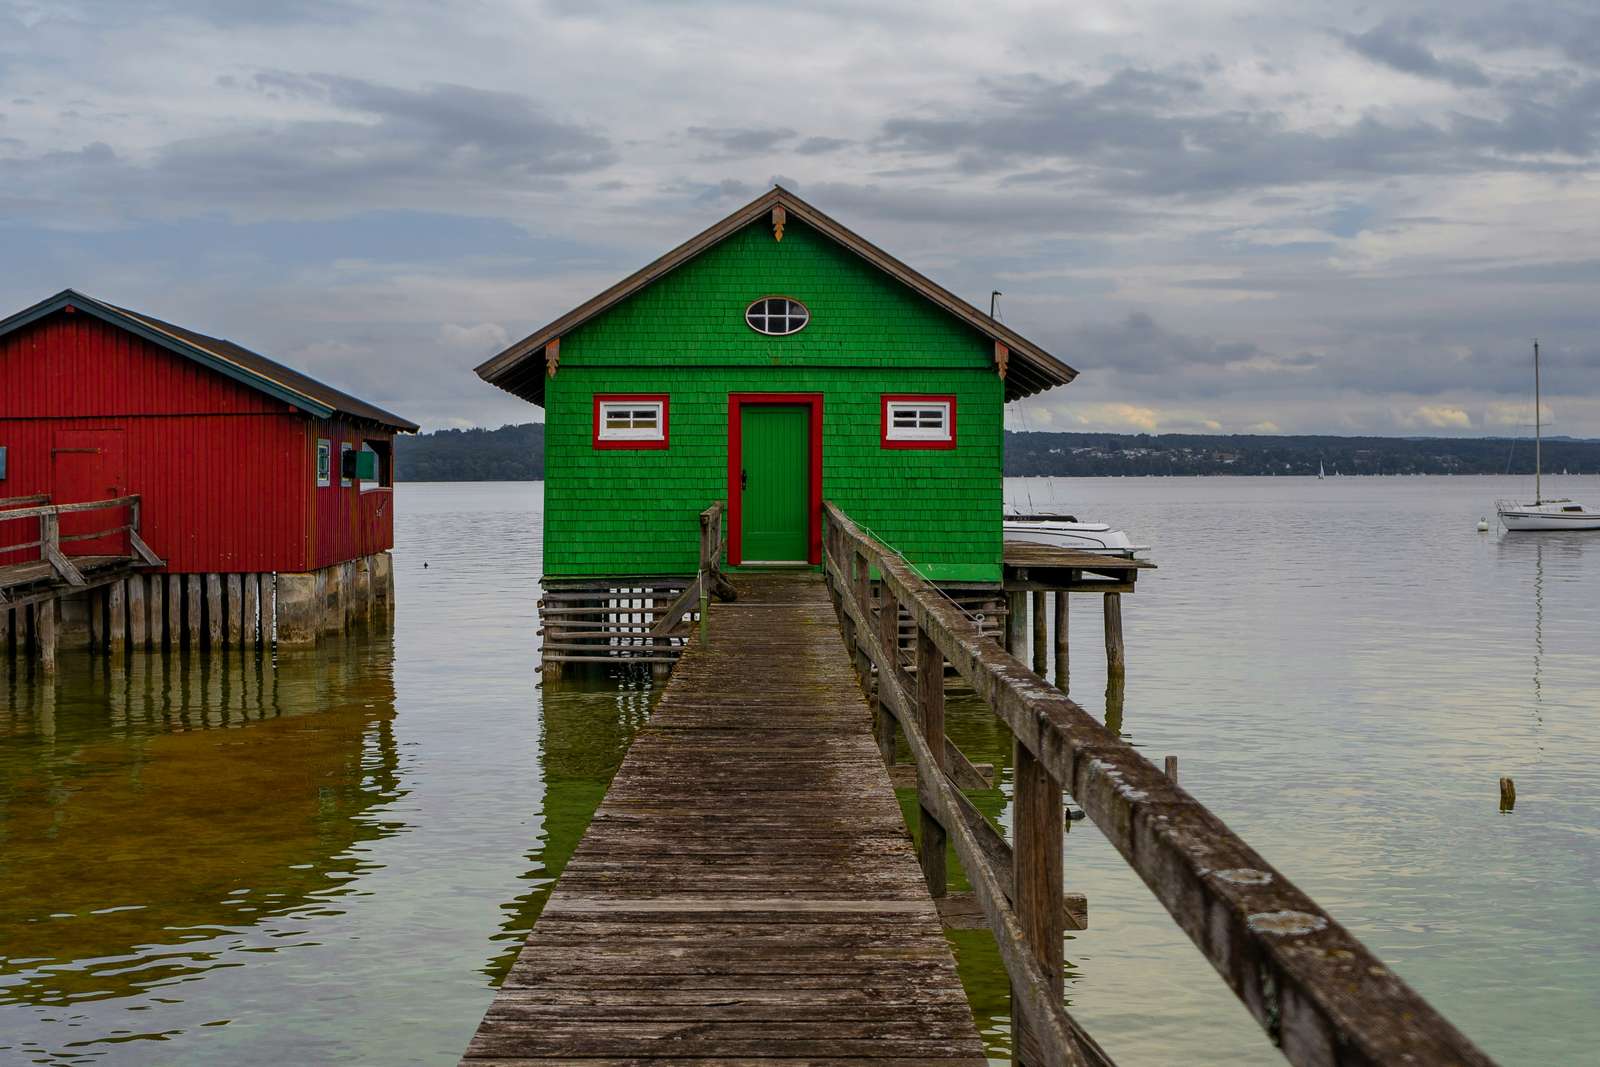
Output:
(585, 730)
(167, 816)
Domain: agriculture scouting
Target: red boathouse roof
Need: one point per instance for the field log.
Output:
(234, 361)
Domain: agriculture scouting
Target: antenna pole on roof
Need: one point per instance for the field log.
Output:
(993, 294)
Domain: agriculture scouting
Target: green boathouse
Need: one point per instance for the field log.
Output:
(773, 361)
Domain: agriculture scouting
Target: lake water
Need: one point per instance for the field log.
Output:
(331, 857)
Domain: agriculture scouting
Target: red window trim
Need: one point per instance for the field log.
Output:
(915, 398)
(633, 445)
(736, 404)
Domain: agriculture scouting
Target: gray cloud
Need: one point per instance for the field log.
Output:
(742, 141)
(1395, 45)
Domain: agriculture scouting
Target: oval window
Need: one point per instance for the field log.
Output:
(776, 315)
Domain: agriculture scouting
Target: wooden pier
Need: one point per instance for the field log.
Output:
(747, 891)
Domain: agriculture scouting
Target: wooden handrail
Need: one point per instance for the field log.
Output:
(67, 509)
(50, 537)
(1320, 994)
(18, 501)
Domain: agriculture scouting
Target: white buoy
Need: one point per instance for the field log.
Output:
(1483, 525)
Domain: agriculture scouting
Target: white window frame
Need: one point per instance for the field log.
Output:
(944, 431)
(793, 309)
(344, 446)
(324, 463)
(658, 432)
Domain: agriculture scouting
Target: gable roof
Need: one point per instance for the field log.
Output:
(234, 361)
(520, 369)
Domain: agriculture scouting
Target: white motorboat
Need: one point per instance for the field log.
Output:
(1065, 531)
(1543, 514)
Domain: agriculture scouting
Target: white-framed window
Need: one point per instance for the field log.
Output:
(776, 316)
(345, 448)
(919, 421)
(324, 462)
(630, 421)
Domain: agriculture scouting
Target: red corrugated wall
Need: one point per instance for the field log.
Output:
(226, 474)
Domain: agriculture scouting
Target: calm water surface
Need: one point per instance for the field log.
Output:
(332, 857)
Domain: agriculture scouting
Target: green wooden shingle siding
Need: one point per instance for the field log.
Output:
(626, 512)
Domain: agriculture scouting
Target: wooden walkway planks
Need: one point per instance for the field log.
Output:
(747, 892)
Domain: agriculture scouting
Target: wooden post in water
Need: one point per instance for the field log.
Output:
(44, 625)
(1114, 654)
(1508, 794)
(1016, 622)
(214, 610)
(94, 606)
(1038, 818)
(250, 634)
(930, 701)
(194, 595)
(1171, 768)
(174, 611)
(1041, 633)
(1063, 659)
(138, 613)
(235, 609)
(117, 621)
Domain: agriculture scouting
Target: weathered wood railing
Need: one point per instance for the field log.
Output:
(638, 621)
(1321, 996)
(51, 538)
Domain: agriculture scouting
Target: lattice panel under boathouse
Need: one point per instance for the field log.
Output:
(613, 621)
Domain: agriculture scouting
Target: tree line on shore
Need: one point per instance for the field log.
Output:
(516, 453)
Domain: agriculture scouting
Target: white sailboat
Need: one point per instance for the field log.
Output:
(1321, 474)
(1543, 514)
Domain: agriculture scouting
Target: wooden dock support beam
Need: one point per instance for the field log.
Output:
(1016, 622)
(235, 609)
(138, 613)
(250, 628)
(194, 619)
(214, 611)
(1063, 658)
(1114, 654)
(44, 631)
(117, 617)
(1041, 634)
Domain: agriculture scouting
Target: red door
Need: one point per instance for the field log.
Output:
(90, 465)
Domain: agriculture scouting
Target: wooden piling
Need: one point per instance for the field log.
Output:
(1114, 654)
(214, 611)
(1171, 768)
(44, 626)
(1041, 634)
(1037, 818)
(1016, 622)
(250, 632)
(1508, 794)
(194, 595)
(156, 589)
(117, 617)
(94, 608)
(138, 613)
(930, 701)
(235, 609)
(1063, 669)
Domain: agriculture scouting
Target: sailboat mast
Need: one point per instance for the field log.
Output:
(1538, 428)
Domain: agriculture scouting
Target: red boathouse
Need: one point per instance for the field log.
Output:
(244, 470)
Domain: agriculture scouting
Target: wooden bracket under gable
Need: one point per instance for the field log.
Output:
(552, 356)
(1002, 356)
(779, 217)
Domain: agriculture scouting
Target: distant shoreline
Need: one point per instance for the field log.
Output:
(516, 453)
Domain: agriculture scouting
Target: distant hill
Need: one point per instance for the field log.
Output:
(516, 453)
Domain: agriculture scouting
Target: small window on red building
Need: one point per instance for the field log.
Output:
(919, 422)
(638, 421)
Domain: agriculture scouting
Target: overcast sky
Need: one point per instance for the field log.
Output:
(1229, 215)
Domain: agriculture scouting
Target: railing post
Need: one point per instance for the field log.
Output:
(1037, 820)
(889, 666)
(930, 701)
(705, 608)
